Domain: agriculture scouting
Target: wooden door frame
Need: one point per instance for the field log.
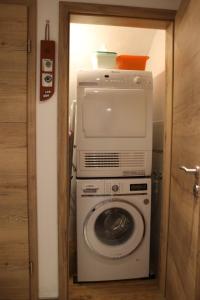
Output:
(31, 142)
(138, 17)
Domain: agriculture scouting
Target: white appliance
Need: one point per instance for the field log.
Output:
(113, 228)
(114, 123)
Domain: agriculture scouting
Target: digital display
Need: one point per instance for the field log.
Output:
(138, 187)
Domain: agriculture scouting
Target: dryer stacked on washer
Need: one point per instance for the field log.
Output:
(114, 146)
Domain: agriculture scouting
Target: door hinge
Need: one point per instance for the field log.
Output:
(29, 46)
(31, 267)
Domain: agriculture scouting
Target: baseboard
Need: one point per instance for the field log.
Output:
(48, 299)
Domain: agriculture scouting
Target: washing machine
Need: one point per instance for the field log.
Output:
(113, 228)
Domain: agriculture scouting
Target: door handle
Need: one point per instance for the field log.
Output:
(196, 172)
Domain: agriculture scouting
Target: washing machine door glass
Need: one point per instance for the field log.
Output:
(114, 228)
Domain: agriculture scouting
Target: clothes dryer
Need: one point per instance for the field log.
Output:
(114, 123)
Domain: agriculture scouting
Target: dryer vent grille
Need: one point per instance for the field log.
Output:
(127, 160)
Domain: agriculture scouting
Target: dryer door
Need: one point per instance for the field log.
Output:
(114, 228)
(114, 113)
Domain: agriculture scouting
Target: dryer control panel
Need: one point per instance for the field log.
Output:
(116, 79)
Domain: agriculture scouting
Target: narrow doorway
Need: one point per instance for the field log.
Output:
(123, 40)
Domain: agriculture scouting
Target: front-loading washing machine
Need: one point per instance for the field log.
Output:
(113, 228)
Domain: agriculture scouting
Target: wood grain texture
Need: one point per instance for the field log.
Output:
(14, 240)
(13, 78)
(120, 290)
(166, 156)
(49, 299)
(16, 40)
(13, 62)
(183, 265)
(15, 23)
(31, 141)
(68, 9)
(119, 11)
(14, 258)
(16, 2)
(119, 21)
(63, 153)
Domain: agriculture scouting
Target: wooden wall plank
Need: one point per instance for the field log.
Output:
(13, 75)
(15, 23)
(120, 11)
(14, 252)
(31, 155)
(166, 156)
(14, 241)
(119, 21)
(63, 153)
(12, 42)
(184, 223)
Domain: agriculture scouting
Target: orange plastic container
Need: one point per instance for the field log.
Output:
(131, 62)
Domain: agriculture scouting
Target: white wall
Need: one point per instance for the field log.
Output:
(157, 65)
(123, 40)
(47, 167)
(47, 149)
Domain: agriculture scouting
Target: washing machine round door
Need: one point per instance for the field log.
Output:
(114, 228)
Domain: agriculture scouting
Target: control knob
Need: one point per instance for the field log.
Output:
(115, 188)
(137, 80)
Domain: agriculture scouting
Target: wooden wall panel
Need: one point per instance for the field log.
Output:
(14, 243)
(13, 21)
(17, 40)
(166, 156)
(14, 259)
(119, 21)
(120, 11)
(63, 153)
(13, 164)
(13, 62)
(183, 265)
(31, 142)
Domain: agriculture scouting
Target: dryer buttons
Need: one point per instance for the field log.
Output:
(137, 80)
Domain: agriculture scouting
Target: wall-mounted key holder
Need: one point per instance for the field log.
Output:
(47, 66)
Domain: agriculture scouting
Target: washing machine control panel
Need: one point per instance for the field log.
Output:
(126, 186)
(115, 187)
(93, 187)
(138, 187)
